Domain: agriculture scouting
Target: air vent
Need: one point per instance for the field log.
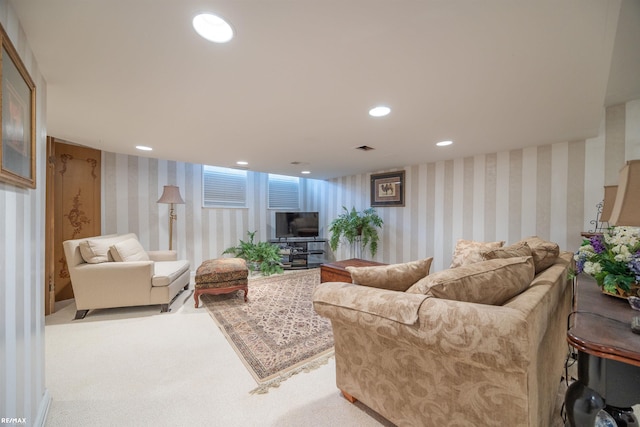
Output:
(300, 163)
(365, 148)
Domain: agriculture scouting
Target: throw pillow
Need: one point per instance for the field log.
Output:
(544, 253)
(96, 251)
(491, 282)
(395, 277)
(515, 250)
(469, 251)
(129, 250)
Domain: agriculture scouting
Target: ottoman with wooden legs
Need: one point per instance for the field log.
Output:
(221, 276)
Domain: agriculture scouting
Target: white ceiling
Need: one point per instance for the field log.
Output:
(296, 82)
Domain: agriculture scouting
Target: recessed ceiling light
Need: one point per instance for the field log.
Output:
(444, 143)
(379, 111)
(212, 28)
(242, 163)
(143, 148)
(305, 172)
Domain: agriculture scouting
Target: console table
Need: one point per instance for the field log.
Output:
(608, 357)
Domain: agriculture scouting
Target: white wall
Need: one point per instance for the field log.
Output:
(23, 394)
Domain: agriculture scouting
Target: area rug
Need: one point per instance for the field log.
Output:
(276, 333)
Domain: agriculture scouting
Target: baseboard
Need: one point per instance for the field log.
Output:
(43, 409)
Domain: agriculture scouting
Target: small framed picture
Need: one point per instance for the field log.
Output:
(18, 139)
(387, 189)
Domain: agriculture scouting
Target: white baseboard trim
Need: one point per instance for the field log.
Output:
(43, 409)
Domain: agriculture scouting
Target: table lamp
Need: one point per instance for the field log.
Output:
(626, 209)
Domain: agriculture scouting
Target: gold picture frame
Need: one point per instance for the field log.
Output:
(18, 112)
(387, 189)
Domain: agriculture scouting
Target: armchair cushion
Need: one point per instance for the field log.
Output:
(469, 251)
(488, 282)
(96, 251)
(166, 272)
(128, 250)
(395, 277)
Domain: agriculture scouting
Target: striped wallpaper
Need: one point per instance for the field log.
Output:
(23, 394)
(549, 190)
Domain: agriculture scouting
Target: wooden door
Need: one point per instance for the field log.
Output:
(73, 210)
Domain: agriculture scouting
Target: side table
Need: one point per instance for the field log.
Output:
(608, 357)
(336, 271)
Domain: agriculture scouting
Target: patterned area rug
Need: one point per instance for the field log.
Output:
(276, 333)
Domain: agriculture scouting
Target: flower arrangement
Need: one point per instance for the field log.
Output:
(613, 258)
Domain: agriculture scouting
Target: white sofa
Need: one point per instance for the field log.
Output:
(115, 271)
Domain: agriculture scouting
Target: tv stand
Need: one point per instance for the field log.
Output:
(296, 251)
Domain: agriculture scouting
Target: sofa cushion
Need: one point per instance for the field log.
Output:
(96, 251)
(128, 250)
(544, 252)
(165, 272)
(469, 251)
(487, 282)
(395, 277)
(515, 250)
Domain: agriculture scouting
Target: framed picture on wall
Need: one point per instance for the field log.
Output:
(387, 189)
(18, 139)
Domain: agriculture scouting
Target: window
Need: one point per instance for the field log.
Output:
(284, 192)
(224, 187)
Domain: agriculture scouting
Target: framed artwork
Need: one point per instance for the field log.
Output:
(387, 189)
(18, 139)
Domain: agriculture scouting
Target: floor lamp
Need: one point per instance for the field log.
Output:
(171, 196)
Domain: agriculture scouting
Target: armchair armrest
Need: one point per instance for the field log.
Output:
(392, 305)
(111, 284)
(110, 272)
(163, 255)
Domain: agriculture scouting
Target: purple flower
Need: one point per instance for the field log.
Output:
(634, 265)
(597, 244)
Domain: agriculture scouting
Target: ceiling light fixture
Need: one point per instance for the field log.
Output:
(242, 163)
(144, 148)
(444, 143)
(305, 172)
(212, 28)
(379, 111)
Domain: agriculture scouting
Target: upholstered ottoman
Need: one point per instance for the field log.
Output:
(221, 276)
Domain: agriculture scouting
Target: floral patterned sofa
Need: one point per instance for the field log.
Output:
(482, 344)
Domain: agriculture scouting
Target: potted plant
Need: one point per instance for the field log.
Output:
(262, 255)
(359, 228)
(613, 260)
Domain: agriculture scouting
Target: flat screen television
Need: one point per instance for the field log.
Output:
(296, 224)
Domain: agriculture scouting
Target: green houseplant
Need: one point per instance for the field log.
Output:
(357, 228)
(262, 255)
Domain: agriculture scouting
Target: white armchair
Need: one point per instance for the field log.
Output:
(114, 271)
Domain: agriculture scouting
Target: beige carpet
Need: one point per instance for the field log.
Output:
(277, 333)
(137, 367)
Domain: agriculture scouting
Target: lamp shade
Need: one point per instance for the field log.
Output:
(609, 200)
(171, 194)
(626, 209)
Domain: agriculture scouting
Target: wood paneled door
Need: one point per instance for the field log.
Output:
(73, 210)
